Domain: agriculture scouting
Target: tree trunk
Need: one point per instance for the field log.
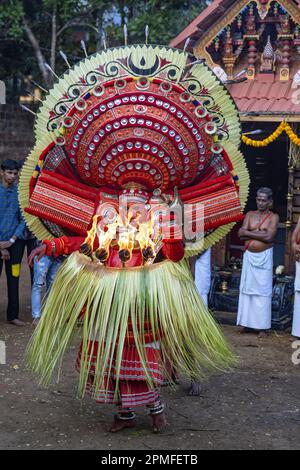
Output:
(53, 39)
(99, 26)
(38, 53)
(122, 11)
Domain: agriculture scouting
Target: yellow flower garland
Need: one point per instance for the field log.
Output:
(284, 126)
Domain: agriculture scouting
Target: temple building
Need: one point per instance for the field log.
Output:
(254, 48)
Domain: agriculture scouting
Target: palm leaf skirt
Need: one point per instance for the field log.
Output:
(163, 296)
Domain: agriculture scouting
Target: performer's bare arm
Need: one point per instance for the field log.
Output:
(296, 240)
(74, 244)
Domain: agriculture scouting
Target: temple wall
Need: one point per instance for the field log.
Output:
(16, 132)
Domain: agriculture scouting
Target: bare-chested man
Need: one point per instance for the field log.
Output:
(259, 231)
(296, 251)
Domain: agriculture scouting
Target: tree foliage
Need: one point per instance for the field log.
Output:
(165, 18)
(33, 32)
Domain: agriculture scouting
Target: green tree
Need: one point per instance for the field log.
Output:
(44, 26)
(165, 18)
(33, 31)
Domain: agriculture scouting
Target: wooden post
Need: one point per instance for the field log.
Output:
(289, 221)
(293, 200)
(219, 253)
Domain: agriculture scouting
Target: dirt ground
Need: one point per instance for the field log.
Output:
(257, 406)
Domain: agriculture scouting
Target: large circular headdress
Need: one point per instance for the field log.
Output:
(139, 116)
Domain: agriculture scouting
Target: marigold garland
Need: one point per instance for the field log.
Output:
(283, 127)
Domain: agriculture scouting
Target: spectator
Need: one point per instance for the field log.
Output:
(11, 229)
(28, 239)
(258, 231)
(296, 252)
(44, 273)
(201, 270)
(203, 274)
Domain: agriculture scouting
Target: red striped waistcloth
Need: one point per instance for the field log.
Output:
(133, 389)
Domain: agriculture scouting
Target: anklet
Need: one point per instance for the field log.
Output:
(156, 408)
(125, 414)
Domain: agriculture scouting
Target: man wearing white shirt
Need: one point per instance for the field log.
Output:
(296, 251)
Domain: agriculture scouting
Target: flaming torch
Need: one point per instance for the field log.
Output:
(87, 246)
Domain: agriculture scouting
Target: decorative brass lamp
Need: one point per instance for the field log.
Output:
(288, 224)
(225, 276)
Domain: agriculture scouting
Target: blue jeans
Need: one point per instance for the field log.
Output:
(44, 273)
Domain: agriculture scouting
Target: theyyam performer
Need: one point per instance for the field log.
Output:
(135, 169)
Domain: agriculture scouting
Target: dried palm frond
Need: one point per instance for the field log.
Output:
(189, 338)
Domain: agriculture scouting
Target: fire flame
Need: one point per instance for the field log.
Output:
(129, 233)
(90, 238)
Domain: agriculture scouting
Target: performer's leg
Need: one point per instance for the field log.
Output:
(156, 411)
(125, 418)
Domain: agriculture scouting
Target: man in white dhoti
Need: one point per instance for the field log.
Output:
(203, 274)
(201, 270)
(296, 251)
(259, 231)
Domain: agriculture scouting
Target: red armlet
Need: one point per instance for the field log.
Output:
(63, 245)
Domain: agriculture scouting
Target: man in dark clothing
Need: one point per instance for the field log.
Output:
(28, 239)
(11, 230)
